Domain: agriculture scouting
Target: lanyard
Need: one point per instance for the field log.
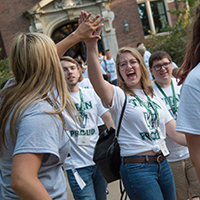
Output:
(82, 103)
(154, 119)
(174, 108)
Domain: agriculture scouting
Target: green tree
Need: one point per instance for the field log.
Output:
(176, 38)
(5, 72)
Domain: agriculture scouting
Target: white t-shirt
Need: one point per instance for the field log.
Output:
(110, 67)
(136, 134)
(177, 151)
(188, 119)
(174, 65)
(146, 57)
(85, 74)
(85, 83)
(82, 155)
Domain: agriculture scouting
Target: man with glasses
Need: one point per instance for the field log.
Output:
(186, 181)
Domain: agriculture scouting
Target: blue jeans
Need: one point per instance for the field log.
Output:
(96, 185)
(148, 181)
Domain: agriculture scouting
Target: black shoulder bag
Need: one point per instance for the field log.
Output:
(107, 152)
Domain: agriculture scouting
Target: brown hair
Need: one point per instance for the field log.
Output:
(70, 59)
(192, 56)
(174, 72)
(145, 80)
(158, 55)
(141, 48)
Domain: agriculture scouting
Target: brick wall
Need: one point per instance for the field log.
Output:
(2, 48)
(127, 10)
(12, 21)
(172, 6)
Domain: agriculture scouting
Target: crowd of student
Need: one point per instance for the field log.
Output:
(51, 116)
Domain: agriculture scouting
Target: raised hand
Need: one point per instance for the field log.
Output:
(88, 27)
(85, 17)
(88, 30)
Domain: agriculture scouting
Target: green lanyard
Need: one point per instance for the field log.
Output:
(154, 118)
(174, 108)
(82, 107)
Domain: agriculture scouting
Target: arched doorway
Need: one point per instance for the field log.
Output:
(78, 49)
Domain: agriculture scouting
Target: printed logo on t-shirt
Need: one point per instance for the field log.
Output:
(86, 132)
(84, 118)
(151, 120)
(87, 106)
(111, 67)
(170, 98)
(154, 135)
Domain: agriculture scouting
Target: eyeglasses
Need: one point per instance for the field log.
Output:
(132, 63)
(159, 67)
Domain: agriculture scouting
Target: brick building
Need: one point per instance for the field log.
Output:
(126, 21)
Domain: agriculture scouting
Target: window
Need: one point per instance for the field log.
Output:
(63, 31)
(153, 16)
(144, 18)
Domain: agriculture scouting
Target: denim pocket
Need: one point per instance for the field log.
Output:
(134, 166)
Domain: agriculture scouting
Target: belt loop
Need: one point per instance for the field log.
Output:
(147, 159)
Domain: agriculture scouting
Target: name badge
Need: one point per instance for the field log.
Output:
(164, 148)
(83, 140)
(78, 178)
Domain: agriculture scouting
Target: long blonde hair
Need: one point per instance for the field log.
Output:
(37, 72)
(145, 80)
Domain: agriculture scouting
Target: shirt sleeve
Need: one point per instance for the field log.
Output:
(189, 111)
(118, 100)
(38, 132)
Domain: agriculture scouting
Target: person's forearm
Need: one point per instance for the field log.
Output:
(107, 119)
(181, 139)
(84, 31)
(31, 189)
(103, 88)
(94, 69)
(24, 177)
(193, 142)
(67, 43)
(176, 136)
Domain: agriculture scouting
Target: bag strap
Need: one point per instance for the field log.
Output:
(123, 191)
(122, 113)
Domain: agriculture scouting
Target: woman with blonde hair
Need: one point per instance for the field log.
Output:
(33, 142)
(144, 169)
(146, 81)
